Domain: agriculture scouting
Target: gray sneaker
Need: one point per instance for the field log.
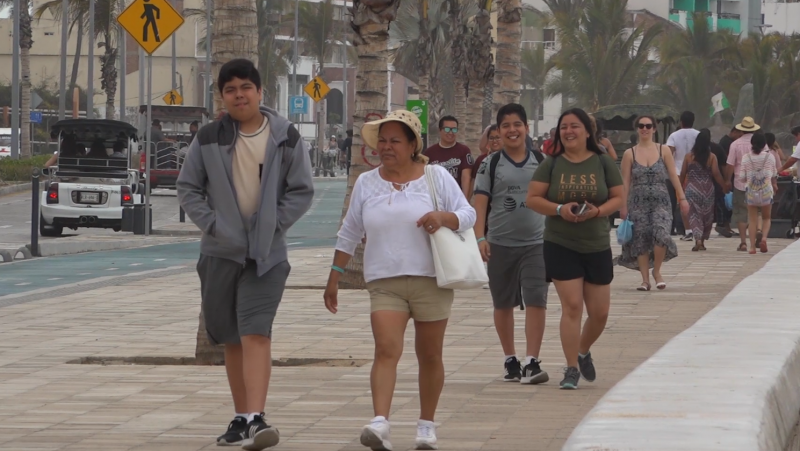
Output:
(587, 367)
(571, 377)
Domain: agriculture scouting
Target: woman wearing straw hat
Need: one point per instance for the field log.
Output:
(392, 206)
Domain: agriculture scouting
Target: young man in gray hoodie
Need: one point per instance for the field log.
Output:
(245, 181)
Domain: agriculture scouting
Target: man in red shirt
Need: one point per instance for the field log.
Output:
(548, 148)
(452, 155)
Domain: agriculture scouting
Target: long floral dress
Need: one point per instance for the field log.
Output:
(650, 210)
(700, 194)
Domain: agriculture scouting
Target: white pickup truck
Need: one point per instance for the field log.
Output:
(93, 180)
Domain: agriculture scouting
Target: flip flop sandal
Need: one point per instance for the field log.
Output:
(759, 237)
(661, 285)
(763, 247)
(703, 247)
(742, 247)
(645, 286)
(696, 248)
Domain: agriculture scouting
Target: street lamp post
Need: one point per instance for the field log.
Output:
(90, 83)
(62, 79)
(15, 84)
(294, 56)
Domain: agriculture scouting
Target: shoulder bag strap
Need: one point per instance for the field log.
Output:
(430, 179)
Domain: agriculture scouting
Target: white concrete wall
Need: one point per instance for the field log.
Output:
(784, 17)
(728, 383)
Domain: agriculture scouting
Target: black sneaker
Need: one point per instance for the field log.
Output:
(513, 370)
(688, 237)
(259, 435)
(235, 433)
(587, 367)
(571, 376)
(532, 374)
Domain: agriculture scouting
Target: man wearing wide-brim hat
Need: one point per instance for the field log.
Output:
(738, 150)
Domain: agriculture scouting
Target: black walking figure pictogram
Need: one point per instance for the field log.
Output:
(150, 15)
(172, 99)
(317, 87)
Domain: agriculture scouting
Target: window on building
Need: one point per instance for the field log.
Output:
(549, 36)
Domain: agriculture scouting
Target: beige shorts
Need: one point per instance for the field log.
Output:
(419, 296)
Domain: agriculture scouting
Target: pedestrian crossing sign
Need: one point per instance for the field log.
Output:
(173, 98)
(150, 22)
(317, 89)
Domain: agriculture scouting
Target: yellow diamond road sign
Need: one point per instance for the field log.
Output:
(317, 89)
(173, 98)
(150, 22)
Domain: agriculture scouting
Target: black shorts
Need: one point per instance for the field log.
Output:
(562, 263)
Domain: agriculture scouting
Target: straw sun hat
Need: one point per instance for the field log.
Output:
(748, 125)
(369, 132)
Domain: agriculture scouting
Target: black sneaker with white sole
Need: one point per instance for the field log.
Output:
(586, 365)
(532, 373)
(513, 370)
(235, 433)
(259, 435)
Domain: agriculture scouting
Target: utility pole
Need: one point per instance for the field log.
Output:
(174, 59)
(142, 66)
(62, 81)
(344, 69)
(293, 89)
(15, 84)
(123, 65)
(90, 84)
(207, 88)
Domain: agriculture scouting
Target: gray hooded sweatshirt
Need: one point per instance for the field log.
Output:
(206, 192)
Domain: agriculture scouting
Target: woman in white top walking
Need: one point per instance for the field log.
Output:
(392, 207)
(760, 175)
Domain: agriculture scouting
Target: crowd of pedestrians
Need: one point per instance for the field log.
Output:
(539, 211)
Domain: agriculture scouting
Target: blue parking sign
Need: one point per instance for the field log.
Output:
(298, 105)
(36, 117)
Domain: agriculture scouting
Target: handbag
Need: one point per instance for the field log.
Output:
(759, 189)
(456, 256)
(625, 232)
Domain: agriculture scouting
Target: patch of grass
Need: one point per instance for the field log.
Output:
(20, 170)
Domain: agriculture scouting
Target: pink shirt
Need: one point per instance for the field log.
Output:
(739, 149)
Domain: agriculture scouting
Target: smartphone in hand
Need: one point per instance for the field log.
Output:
(579, 211)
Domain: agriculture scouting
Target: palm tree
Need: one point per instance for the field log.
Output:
(693, 61)
(509, 40)
(25, 44)
(601, 59)
(534, 75)
(370, 20)
(316, 27)
(234, 34)
(479, 70)
(105, 27)
(458, 12)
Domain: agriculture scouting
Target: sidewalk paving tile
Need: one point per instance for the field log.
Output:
(48, 404)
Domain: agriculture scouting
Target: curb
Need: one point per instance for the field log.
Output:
(177, 233)
(11, 255)
(68, 248)
(12, 189)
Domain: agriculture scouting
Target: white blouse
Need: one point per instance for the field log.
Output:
(395, 245)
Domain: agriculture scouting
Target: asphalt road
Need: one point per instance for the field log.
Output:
(317, 228)
(15, 218)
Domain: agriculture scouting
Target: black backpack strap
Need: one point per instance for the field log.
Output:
(539, 156)
(293, 136)
(493, 161)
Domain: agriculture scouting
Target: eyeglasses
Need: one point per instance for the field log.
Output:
(450, 129)
(495, 138)
(643, 126)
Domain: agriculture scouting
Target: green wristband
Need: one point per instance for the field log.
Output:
(481, 239)
(337, 269)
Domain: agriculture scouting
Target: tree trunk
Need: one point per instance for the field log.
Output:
(76, 60)
(460, 103)
(25, 44)
(206, 353)
(371, 38)
(108, 70)
(509, 35)
(234, 35)
(473, 123)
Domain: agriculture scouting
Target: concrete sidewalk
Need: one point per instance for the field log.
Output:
(48, 404)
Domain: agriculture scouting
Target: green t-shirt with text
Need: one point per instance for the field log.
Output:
(587, 181)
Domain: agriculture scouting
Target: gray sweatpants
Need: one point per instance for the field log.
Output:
(236, 302)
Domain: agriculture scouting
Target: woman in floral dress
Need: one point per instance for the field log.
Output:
(698, 169)
(646, 170)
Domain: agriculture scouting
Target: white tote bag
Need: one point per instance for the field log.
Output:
(456, 256)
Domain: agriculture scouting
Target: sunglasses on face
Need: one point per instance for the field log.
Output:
(645, 126)
(450, 129)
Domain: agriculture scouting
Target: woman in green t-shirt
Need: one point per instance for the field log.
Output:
(576, 190)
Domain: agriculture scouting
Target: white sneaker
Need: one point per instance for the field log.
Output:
(375, 435)
(426, 435)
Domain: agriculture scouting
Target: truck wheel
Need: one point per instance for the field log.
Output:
(48, 230)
